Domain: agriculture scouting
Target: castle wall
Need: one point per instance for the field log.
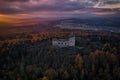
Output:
(64, 43)
(72, 41)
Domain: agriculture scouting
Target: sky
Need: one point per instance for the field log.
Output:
(14, 10)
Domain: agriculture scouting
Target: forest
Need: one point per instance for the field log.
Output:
(31, 56)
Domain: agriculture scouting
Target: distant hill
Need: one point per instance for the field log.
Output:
(96, 21)
(111, 23)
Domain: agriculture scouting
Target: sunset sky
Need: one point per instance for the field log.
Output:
(14, 10)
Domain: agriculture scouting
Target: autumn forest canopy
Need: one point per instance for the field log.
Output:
(31, 56)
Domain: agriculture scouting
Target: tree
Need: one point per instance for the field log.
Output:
(65, 75)
(51, 74)
(79, 61)
(97, 52)
(106, 47)
(113, 58)
(44, 78)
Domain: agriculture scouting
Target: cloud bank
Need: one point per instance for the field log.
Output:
(57, 7)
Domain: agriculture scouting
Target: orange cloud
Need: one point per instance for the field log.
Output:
(19, 19)
(5, 20)
(104, 13)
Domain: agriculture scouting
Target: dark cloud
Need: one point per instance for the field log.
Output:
(25, 6)
(58, 6)
(13, 0)
(7, 10)
(112, 2)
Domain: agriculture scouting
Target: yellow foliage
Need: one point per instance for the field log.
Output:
(79, 61)
(113, 57)
(97, 52)
(44, 78)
